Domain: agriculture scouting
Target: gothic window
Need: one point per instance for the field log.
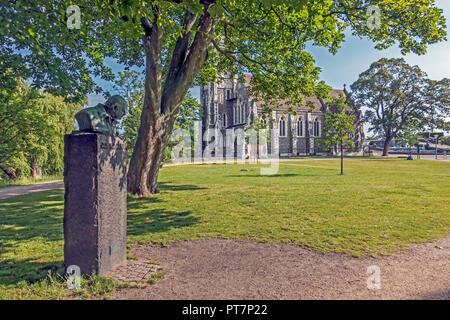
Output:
(228, 94)
(239, 114)
(282, 127)
(224, 120)
(211, 113)
(316, 128)
(234, 116)
(299, 127)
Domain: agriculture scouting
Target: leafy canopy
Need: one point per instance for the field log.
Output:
(266, 38)
(339, 124)
(32, 127)
(394, 93)
(410, 133)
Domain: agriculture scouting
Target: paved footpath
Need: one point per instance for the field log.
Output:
(10, 192)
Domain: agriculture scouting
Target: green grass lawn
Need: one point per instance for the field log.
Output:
(377, 207)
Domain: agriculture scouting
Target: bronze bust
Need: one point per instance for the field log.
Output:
(102, 118)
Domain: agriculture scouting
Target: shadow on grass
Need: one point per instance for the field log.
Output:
(12, 271)
(29, 222)
(144, 220)
(164, 186)
(147, 215)
(36, 215)
(33, 219)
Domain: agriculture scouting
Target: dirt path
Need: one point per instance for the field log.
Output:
(229, 269)
(10, 192)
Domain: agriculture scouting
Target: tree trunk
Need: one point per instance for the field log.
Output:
(161, 104)
(36, 171)
(342, 159)
(387, 141)
(147, 155)
(7, 170)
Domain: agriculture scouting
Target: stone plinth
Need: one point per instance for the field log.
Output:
(95, 202)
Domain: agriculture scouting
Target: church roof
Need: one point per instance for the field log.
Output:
(283, 105)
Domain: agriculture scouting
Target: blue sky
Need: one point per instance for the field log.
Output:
(354, 57)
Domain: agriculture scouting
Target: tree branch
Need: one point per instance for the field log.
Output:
(146, 26)
(153, 43)
(181, 49)
(175, 90)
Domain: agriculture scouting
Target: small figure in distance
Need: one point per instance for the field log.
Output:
(102, 118)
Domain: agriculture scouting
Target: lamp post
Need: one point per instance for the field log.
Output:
(436, 146)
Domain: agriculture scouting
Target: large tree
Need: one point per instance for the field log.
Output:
(181, 42)
(394, 93)
(32, 127)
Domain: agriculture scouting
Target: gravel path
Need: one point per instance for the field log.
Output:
(10, 192)
(230, 269)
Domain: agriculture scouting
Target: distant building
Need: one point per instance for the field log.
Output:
(228, 106)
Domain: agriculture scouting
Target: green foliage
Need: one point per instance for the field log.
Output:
(410, 133)
(445, 140)
(190, 111)
(93, 285)
(156, 276)
(437, 97)
(339, 124)
(130, 85)
(54, 286)
(395, 92)
(28, 180)
(264, 37)
(32, 127)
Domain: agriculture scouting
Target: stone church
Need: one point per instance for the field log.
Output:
(227, 107)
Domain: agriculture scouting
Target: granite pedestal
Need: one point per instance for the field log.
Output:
(95, 202)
